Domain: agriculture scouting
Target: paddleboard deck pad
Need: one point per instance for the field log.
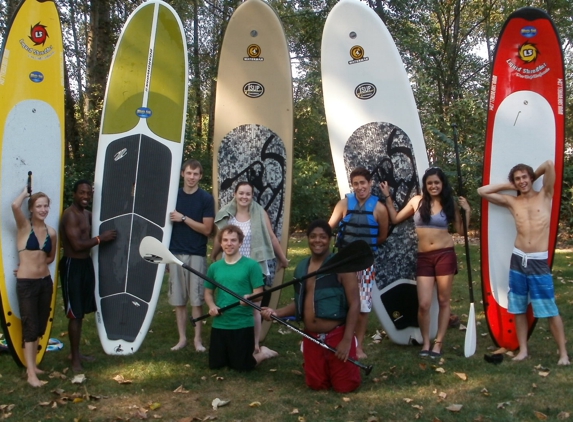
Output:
(32, 136)
(137, 170)
(525, 125)
(254, 121)
(373, 123)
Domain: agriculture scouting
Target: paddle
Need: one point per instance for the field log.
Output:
(356, 256)
(29, 184)
(155, 252)
(470, 341)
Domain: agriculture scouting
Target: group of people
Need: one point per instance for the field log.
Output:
(333, 307)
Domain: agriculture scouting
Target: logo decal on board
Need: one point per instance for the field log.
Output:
(254, 53)
(357, 54)
(36, 76)
(528, 52)
(253, 89)
(529, 31)
(365, 91)
(38, 34)
(143, 112)
(120, 154)
(396, 315)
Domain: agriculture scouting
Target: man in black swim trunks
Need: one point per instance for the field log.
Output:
(76, 268)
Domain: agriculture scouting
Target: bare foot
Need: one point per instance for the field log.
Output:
(77, 367)
(564, 360)
(34, 381)
(38, 371)
(267, 353)
(179, 346)
(360, 353)
(199, 346)
(257, 348)
(521, 356)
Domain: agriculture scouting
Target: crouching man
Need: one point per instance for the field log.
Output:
(232, 333)
(329, 306)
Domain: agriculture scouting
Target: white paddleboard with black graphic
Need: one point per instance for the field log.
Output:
(373, 122)
(253, 118)
(137, 170)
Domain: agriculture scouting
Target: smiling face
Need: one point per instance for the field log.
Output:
(522, 181)
(362, 188)
(40, 208)
(83, 195)
(230, 244)
(191, 177)
(244, 195)
(434, 185)
(318, 241)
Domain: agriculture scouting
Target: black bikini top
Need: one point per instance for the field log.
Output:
(33, 245)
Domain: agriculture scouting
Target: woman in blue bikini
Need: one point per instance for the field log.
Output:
(36, 243)
(433, 212)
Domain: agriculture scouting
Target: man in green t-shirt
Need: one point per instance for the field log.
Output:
(232, 333)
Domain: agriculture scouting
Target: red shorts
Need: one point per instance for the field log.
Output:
(438, 262)
(324, 370)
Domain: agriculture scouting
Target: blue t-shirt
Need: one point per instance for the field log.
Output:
(198, 205)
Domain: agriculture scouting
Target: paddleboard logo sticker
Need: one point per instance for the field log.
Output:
(120, 154)
(528, 52)
(357, 54)
(365, 91)
(143, 112)
(254, 54)
(36, 76)
(38, 34)
(529, 31)
(253, 89)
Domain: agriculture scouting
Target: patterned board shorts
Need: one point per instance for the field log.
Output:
(366, 278)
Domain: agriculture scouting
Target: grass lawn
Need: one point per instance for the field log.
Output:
(402, 386)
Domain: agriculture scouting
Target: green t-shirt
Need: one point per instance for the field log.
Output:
(242, 277)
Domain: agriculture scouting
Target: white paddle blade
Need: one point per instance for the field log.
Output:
(155, 252)
(470, 343)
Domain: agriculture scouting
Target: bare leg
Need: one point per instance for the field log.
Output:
(521, 330)
(258, 324)
(425, 288)
(360, 331)
(75, 333)
(197, 311)
(444, 284)
(556, 327)
(263, 354)
(30, 351)
(181, 317)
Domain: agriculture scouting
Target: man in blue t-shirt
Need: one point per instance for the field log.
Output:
(192, 223)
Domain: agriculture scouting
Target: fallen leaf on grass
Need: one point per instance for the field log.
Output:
(294, 411)
(91, 407)
(180, 389)
(423, 366)
(540, 416)
(219, 378)
(417, 406)
(454, 407)
(57, 374)
(541, 368)
(78, 400)
(372, 419)
(563, 415)
(346, 399)
(377, 336)
(441, 370)
(78, 379)
(121, 380)
(461, 376)
(463, 327)
(154, 406)
(255, 404)
(503, 404)
(408, 400)
(273, 370)
(216, 403)
(485, 392)
(296, 372)
(442, 395)
(543, 373)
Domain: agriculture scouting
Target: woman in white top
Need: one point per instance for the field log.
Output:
(260, 242)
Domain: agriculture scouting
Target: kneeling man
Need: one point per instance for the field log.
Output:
(232, 333)
(329, 306)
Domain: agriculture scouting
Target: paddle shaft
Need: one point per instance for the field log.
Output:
(366, 368)
(463, 214)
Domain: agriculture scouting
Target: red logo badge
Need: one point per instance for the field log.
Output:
(38, 34)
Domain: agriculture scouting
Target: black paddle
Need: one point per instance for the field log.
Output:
(470, 340)
(29, 184)
(155, 252)
(356, 256)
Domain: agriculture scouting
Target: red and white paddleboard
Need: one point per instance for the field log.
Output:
(526, 124)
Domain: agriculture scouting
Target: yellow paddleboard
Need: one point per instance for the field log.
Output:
(32, 139)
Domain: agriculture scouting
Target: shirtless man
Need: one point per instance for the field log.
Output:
(361, 216)
(76, 267)
(329, 307)
(530, 274)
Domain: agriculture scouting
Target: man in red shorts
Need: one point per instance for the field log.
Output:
(329, 306)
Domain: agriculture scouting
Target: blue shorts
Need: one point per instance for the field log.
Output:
(530, 279)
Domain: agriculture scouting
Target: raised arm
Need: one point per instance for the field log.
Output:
(491, 193)
(547, 170)
(381, 216)
(405, 213)
(21, 219)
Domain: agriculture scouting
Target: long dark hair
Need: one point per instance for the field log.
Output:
(446, 197)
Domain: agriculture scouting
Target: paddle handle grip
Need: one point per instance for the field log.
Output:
(29, 183)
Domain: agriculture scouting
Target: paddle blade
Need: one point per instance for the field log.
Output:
(470, 342)
(155, 252)
(355, 256)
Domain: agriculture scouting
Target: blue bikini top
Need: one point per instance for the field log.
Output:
(437, 221)
(33, 245)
